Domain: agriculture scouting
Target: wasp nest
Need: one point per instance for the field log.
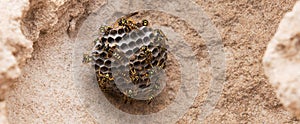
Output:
(129, 60)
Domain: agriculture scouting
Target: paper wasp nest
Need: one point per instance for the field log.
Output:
(129, 61)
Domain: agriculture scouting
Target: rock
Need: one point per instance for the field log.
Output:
(3, 118)
(282, 61)
(14, 47)
(45, 15)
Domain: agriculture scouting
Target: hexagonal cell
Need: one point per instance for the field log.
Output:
(107, 63)
(150, 30)
(98, 46)
(138, 68)
(103, 54)
(97, 67)
(121, 68)
(136, 49)
(151, 36)
(137, 63)
(118, 39)
(113, 32)
(132, 58)
(139, 42)
(140, 33)
(129, 52)
(95, 52)
(99, 62)
(145, 29)
(124, 47)
(155, 52)
(133, 35)
(103, 39)
(143, 62)
(148, 66)
(104, 69)
(125, 37)
(120, 79)
(110, 40)
(132, 44)
(113, 68)
(155, 62)
(146, 40)
(164, 55)
(150, 46)
(140, 57)
(161, 60)
(121, 31)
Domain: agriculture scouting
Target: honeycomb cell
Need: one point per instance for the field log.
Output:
(129, 52)
(132, 58)
(122, 68)
(145, 29)
(150, 46)
(124, 47)
(118, 39)
(113, 32)
(98, 46)
(107, 63)
(146, 40)
(104, 69)
(151, 36)
(133, 35)
(103, 39)
(148, 66)
(110, 40)
(103, 54)
(138, 67)
(96, 67)
(154, 62)
(143, 63)
(132, 44)
(155, 51)
(120, 79)
(136, 49)
(95, 53)
(139, 42)
(126, 37)
(121, 31)
(99, 62)
(140, 33)
(137, 63)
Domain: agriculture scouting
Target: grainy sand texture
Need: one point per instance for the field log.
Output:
(42, 79)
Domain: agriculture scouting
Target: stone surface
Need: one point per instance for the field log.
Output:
(14, 47)
(282, 61)
(3, 118)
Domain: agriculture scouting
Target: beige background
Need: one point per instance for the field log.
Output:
(45, 91)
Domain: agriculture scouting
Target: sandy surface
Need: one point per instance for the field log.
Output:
(46, 91)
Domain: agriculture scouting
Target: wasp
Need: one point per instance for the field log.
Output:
(125, 22)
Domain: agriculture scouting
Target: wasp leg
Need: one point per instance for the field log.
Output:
(150, 100)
